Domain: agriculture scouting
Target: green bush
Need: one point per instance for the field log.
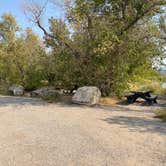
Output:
(154, 87)
(4, 88)
(148, 84)
(161, 114)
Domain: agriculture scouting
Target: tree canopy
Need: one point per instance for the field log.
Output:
(105, 43)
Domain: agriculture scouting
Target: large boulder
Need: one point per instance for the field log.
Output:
(46, 92)
(88, 95)
(16, 90)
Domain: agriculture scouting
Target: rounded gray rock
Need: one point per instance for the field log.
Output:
(89, 95)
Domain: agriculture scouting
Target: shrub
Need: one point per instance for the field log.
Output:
(161, 114)
(148, 84)
(4, 88)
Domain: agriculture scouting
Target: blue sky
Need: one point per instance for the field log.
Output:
(15, 7)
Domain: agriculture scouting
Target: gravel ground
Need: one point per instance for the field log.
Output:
(34, 133)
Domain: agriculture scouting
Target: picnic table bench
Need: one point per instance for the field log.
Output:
(132, 96)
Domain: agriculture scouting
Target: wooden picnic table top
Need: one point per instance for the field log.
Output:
(141, 92)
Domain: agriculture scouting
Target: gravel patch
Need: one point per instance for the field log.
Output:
(34, 133)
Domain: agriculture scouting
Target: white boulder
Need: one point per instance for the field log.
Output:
(88, 95)
(16, 90)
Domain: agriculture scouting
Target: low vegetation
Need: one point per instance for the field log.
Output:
(153, 85)
(161, 114)
(66, 99)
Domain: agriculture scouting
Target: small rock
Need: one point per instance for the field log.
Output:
(46, 92)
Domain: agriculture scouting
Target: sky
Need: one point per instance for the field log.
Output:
(15, 7)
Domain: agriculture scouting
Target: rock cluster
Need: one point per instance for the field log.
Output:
(46, 92)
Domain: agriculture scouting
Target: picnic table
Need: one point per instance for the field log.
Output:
(150, 98)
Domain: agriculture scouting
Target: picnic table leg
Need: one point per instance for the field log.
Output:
(155, 101)
(149, 102)
(131, 99)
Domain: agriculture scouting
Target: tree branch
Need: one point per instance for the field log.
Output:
(58, 39)
(139, 16)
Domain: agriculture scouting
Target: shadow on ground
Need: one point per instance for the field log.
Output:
(134, 123)
(138, 124)
(12, 100)
(160, 103)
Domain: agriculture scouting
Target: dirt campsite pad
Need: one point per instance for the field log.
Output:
(35, 133)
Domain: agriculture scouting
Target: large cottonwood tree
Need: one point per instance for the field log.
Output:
(107, 43)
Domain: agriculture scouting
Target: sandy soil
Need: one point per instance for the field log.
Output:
(34, 133)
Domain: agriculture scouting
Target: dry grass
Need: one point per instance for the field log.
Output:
(161, 114)
(61, 98)
(154, 86)
(109, 100)
(68, 100)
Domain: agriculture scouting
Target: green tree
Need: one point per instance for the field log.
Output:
(109, 43)
(20, 54)
(117, 40)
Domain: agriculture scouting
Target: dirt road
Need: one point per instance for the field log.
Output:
(34, 133)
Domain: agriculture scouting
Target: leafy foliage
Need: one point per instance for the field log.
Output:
(107, 44)
(20, 54)
(112, 42)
